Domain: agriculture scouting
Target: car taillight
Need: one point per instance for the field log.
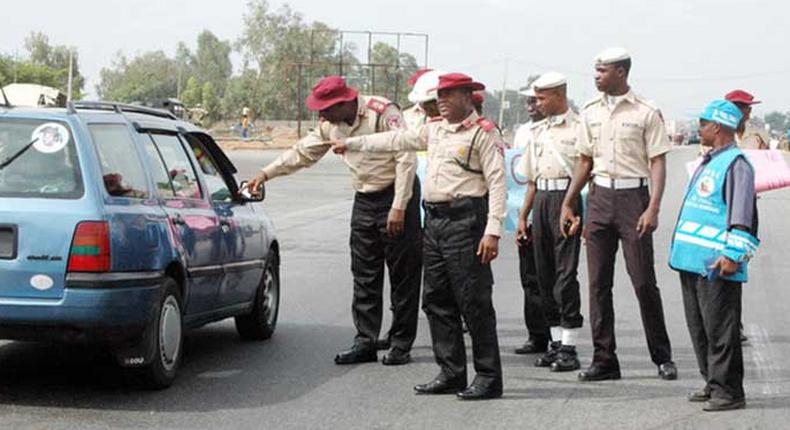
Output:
(90, 248)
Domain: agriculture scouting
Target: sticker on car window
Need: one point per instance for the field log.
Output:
(50, 138)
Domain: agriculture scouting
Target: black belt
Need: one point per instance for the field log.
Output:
(454, 208)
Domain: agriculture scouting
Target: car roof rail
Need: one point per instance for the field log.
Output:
(121, 108)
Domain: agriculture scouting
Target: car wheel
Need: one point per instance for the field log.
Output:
(169, 339)
(261, 322)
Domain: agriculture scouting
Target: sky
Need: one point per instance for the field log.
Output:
(685, 53)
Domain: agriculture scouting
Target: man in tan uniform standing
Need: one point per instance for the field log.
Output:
(623, 144)
(747, 136)
(551, 158)
(464, 205)
(385, 222)
(538, 336)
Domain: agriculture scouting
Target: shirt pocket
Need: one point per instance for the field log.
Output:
(630, 139)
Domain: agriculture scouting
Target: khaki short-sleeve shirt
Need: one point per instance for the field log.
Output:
(622, 137)
(552, 153)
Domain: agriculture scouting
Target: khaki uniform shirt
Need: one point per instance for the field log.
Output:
(752, 138)
(521, 140)
(552, 153)
(414, 117)
(370, 172)
(623, 137)
(448, 146)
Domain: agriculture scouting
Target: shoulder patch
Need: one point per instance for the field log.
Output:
(485, 124)
(378, 106)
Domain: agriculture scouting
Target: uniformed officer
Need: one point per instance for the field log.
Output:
(415, 115)
(551, 158)
(537, 328)
(747, 136)
(385, 222)
(623, 144)
(465, 205)
(711, 247)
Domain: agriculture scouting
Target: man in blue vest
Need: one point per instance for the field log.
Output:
(711, 247)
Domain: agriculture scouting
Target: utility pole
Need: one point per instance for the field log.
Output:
(16, 65)
(71, 75)
(502, 105)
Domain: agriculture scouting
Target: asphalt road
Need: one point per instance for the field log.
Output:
(290, 381)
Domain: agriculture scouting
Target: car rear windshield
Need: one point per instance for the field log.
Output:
(38, 159)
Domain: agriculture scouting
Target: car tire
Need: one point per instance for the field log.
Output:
(260, 323)
(168, 339)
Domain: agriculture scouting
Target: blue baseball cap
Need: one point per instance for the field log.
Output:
(722, 112)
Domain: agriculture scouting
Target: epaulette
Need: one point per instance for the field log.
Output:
(649, 103)
(591, 102)
(378, 106)
(435, 119)
(485, 124)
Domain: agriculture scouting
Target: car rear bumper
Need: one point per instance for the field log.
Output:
(106, 308)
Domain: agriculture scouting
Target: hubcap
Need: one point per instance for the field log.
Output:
(170, 333)
(270, 293)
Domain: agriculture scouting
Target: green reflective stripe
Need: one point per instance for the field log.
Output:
(85, 250)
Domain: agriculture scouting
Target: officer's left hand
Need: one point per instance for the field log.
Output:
(648, 222)
(725, 266)
(488, 249)
(395, 222)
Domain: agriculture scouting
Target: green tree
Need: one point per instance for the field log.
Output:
(211, 101)
(146, 78)
(390, 72)
(777, 120)
(192, 94)
(56, 57)
(183, 66)
(211, 62)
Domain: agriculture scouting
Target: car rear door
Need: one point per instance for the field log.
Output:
(195, 225)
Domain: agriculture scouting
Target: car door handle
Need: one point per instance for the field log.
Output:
(179, 220)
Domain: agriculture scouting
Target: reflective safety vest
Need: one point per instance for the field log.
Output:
(701, 234)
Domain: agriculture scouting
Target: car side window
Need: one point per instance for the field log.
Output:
(217, 187)
(164, 187)
(179, 167)
(122, 171)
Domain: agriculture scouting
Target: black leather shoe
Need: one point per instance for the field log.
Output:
(549, 356)
(532, 346)
(383, 344)
(668, 371)
(441, 386)
(396, 357)
(716, 405)
(356, 354)
(598, 373)
(566, 360)
(481, 392)
(702, 395)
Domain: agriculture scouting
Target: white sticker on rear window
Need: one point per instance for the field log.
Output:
(50, 138)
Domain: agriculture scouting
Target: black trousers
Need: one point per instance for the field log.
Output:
(713, 311)
(557, 261)
(371, 249)
(612, 216)
(535, 320)
(456, 285)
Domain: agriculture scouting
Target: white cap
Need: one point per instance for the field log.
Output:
(612, 55)
(424, 89)
(529, 92)
(549, 80)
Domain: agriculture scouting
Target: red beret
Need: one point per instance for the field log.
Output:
(740, 96)
(416, 75)
(458, 80)
(329, 91)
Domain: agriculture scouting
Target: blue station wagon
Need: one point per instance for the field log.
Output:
(122, 225)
